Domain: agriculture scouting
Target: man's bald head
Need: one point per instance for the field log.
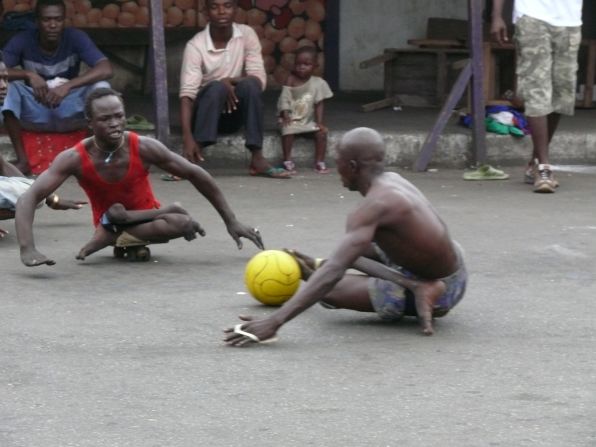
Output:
(362, 144)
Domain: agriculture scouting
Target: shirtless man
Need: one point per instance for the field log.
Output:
(395, 226)
(112, 167)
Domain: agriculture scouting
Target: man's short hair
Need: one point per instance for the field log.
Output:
(45, 3)
(97, 94)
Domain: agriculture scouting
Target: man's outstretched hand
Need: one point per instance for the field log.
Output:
(33, 258)
(238, 230)
(263, 330)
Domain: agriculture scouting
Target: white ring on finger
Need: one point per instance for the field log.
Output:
(238, 330)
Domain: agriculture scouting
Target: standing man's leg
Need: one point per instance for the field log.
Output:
(534, 73)
(547, 68)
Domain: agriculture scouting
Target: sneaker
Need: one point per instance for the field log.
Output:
(321, 168)
(544, 181)
(531, 171)
(290, 167)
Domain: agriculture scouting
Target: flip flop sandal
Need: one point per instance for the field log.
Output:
(139, 122)
(252, 337)
(171, 178)
(270, 172)
(485, 172)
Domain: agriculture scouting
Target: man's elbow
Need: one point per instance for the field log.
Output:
(108, 72)
(105, 69)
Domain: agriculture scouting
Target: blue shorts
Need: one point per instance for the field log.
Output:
(392, 301)
(36, 117)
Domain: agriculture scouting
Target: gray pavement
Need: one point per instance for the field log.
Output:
(109, 353)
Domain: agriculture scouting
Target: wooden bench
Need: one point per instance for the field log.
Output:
(420, 75)
(415, 76)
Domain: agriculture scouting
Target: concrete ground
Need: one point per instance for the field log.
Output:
(109, 353)
(405, 132)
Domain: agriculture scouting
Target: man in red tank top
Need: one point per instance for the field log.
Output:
(112, 167)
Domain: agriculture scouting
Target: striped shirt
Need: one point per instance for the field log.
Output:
(203, 63)
(75, 47)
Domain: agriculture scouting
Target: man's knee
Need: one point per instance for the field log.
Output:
(249, 87)
(181, 223)
(215, 89)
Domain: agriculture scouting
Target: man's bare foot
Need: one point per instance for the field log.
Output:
(100, 239)
(195, 228)
(426, 295)
(33, 258)
(175, 208)
(3, 233)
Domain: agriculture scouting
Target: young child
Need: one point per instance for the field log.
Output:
(300, 108)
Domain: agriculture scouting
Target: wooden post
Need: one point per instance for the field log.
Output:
(473, 72)
(478, 112)
(158, 64)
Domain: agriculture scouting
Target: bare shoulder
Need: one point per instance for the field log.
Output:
(149, 148)
(70, 160)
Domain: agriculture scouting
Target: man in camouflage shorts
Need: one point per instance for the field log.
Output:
(547, 39)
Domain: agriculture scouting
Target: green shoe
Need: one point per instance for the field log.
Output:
(139, 122)
(485, 172)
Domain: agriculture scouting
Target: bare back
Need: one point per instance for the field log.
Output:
(409, 230)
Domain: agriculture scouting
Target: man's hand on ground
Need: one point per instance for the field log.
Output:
(263, 329)
(33, 258)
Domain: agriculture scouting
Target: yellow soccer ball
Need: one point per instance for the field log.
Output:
(272, 277)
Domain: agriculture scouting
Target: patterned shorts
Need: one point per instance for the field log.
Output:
(392, 301)
(546, 66)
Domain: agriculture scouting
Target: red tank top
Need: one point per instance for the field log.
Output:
(133, 191)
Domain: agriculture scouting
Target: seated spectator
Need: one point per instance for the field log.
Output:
(12, 181)
(221, 83)
(48, 92)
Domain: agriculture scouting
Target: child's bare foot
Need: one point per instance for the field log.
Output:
(100, 239)
(426, 295)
